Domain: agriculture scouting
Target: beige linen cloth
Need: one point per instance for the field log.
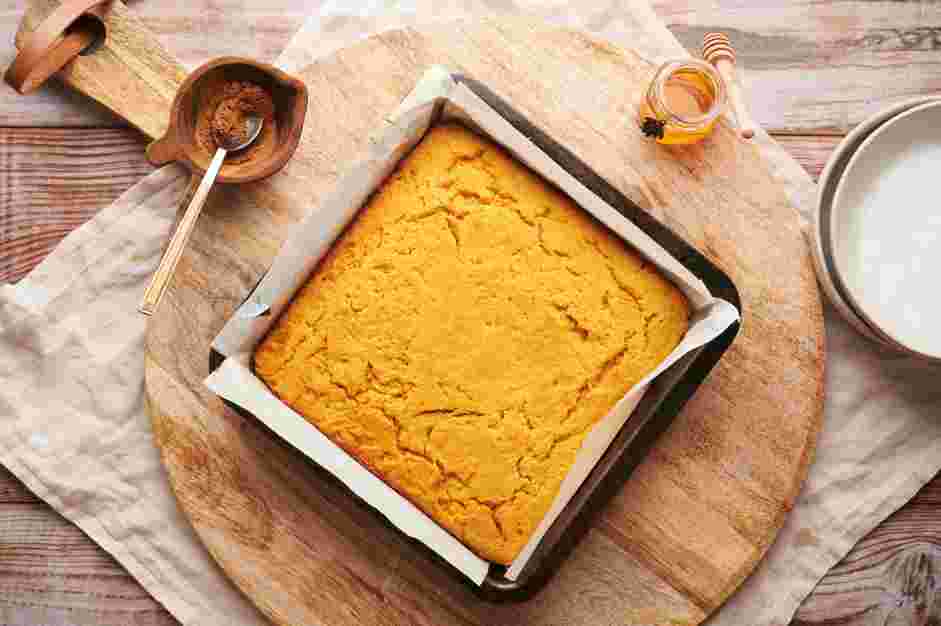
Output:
(74, 430)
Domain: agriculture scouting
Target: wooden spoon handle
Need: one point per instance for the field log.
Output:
(158, 285)
(746, 125)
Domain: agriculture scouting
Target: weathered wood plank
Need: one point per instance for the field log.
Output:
(51, 567)
(812, 65)
(52, 180)
(811, 151)
(891, 577)
(45, 563)
(194, 31)
(809, 65)
(12, 491)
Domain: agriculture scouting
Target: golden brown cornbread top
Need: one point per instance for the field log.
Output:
(466, 332)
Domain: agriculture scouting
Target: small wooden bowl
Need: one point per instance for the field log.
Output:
(179, 144)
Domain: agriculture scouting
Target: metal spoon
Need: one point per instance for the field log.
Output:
(158, 285)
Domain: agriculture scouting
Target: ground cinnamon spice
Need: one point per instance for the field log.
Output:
(242, 100)
(221, 120)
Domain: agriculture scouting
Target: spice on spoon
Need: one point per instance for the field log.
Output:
(221, 120)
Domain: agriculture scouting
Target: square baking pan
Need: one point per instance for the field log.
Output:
(664, 399)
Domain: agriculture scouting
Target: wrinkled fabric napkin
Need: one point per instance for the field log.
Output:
(74, 430)
(73, 426)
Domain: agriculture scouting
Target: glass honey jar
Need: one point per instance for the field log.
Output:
(682, 103)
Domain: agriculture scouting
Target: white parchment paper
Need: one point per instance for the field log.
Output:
(435, 98)
(74, 430)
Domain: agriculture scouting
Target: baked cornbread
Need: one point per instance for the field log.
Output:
(465, 333)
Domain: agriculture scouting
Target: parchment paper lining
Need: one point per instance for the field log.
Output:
(437, 97)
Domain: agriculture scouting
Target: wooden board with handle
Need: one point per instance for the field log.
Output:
(694, 519)
(130, 73)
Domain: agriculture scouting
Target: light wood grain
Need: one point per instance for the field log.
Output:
(891, 577)
(195, 31)
(811, 151)
(51, 567)
(858, 592)
(642, 558)
(129, 71)
(849, 47)
(811, 65)
(13, 491)
(53, 180)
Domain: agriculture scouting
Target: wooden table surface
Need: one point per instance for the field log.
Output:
(814, 70)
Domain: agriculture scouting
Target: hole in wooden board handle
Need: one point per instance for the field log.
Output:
(51, 47)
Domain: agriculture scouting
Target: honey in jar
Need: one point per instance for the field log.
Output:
(682, 102)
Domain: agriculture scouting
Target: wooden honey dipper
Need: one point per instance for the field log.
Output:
(718, 50)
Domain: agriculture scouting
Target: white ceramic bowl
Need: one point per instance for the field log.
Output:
(821, 241)
(885, 231)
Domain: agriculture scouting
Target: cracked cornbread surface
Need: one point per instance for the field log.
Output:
(466, 332)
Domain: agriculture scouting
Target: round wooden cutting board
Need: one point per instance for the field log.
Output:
(694, 519)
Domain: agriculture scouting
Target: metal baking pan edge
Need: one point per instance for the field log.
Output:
(653, 416)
